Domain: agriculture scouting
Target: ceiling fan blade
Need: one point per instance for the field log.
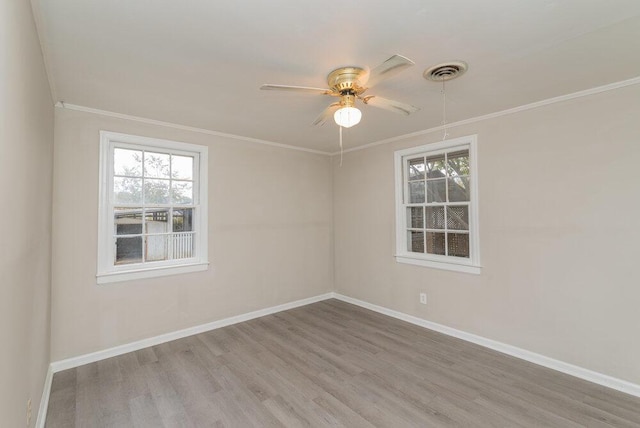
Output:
(394, 106)
(390, 67)
(326, 114)
(306, 89)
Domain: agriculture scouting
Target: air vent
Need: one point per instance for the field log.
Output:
(445, 71)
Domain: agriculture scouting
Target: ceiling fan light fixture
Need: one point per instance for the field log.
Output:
(347, 116)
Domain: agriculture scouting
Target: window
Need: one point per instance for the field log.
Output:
(153, 208)
(436, 205)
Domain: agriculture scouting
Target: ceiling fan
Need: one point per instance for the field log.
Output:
(349, 84)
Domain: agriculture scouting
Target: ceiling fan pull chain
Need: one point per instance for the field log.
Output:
(340, 145)
(444, 112)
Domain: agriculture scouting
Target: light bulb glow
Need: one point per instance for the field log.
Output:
(347, 117)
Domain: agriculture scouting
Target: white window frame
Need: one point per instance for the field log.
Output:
(460, 264)
(109, 272)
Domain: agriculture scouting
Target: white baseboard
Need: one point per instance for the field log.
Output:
(44, 400)
(561, 366)
(81, 360)
(579, 372)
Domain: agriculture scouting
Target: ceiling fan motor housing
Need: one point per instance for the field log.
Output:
(346, 80)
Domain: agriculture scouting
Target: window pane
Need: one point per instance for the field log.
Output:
(182, 192)
(127, 190)
(128, 221)
(183, 220)
(458, 244)
(128, 250)
(458, 163)
(436, 191)
(416, 241)
(182, 167)
(156, 165)
(416, 169)
(415, 217)
(156, 248)
(127, 162)
(458, 217)
(458, 189)
(416, 192)
(436, 167)
(435, 243)
(156, 220)
(156, 191)
(435, 217)
(183, 245)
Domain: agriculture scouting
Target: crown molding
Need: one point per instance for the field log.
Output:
(525, 107)
(84, 109)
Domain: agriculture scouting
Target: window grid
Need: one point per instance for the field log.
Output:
(172, 239)
(414, 174)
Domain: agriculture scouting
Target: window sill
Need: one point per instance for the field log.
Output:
(465, 268)
(106, 278)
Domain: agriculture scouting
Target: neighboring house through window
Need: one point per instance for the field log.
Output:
(436, 205)
(153, 207)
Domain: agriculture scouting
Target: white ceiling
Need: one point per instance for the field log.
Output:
(201, 62)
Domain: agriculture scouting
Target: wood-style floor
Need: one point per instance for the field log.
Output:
(328, 364)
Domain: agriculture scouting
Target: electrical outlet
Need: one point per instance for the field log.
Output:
(29, 412)
(423, 298)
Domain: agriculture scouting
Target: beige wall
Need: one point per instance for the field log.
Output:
(270, 239)
(559, 203)
(26, 146)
